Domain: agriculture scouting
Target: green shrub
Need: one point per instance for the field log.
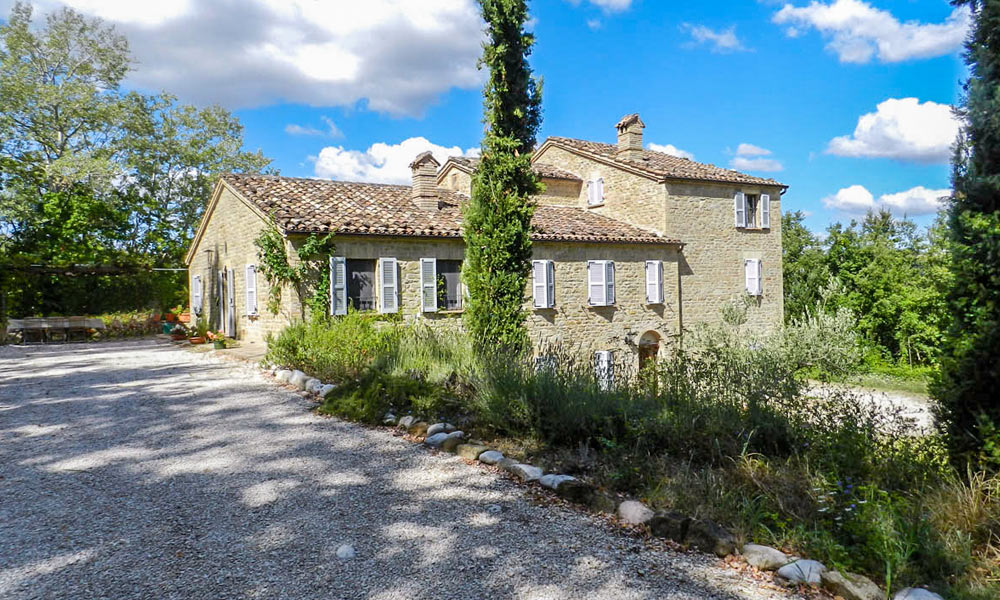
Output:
(333, 349)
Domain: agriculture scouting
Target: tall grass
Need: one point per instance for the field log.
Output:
(724, 429)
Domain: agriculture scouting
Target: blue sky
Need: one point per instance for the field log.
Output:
(351, 90)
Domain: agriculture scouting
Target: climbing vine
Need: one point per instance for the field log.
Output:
(309, 278)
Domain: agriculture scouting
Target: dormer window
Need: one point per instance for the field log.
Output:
(595, 191)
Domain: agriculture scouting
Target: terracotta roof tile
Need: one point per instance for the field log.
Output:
(301, 205)
(661, 165)
(541, 169)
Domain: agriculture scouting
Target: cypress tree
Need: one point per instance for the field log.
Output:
(968, 386)
(497, 217)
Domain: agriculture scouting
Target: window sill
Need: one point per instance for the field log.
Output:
(598, 205)
(600, 305)
(754, 228)
(450, 311)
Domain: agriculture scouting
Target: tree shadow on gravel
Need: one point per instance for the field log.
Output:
(138, 471)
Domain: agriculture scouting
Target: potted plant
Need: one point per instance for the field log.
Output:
(178, 333)
(200, 332)
(218, 339)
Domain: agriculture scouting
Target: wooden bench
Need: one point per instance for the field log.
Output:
(42, 330)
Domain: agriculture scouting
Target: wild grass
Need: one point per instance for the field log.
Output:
(724, 429)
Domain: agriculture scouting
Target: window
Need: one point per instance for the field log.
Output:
(361, 283)
(654, 282)
(752, 211)
(196, 294)
(543, 285)
(388, 285)
(604, 369)
(595, 191)
(600, 282)
(751, 267)
(251, 289)
(449, 284)
(352, 283)
(440, 284)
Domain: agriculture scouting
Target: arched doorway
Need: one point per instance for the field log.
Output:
(649, 348)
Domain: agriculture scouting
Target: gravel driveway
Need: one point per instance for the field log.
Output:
(137, 470)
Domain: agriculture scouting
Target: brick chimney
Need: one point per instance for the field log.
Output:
(425, 192)
(630, 137)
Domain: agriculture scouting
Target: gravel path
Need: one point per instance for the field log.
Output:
(136, 470)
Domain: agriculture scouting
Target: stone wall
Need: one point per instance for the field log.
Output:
(227, 242)
(575, 326)
(712, 270)
(571, 324)
(627, 197)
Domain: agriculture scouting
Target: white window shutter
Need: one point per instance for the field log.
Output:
(389, 288)
(765, 211)
(654, 282)
(251, 289)
(550, 284)
(428, 284)
(600, 190)
(609, 279)
(538, 286)
(760, 279)
(596, 289)
(604, 369)
(196, 294)
(752, 268)
(338, 285)
(740, 209)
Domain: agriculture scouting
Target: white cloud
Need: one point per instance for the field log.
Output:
(742, 163)
(398, 55)
(381, 162)
(856, 199)
(594, 24)
(670, 149)
(331, 129)
(608, 5)
(752, 158)
(915, 201)
(745, 149)
(858, 31)
(722, 41)
(902, 129)
(853, 199)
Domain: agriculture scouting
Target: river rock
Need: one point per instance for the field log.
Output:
(491, 457)
(470, 451)
(282, 375)
(850, 586)
(765, 558)
(916, 594)
(803, 571)
(525, 472)
(634, 512)
(326, 389)
(435, 441)
(709, 536)
(406, 421)
(298, 379)
(452, 441)
(418, 429)
(553, 480)
(437, 428)
(671, 525)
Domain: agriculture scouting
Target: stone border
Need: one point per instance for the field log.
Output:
(702, 535)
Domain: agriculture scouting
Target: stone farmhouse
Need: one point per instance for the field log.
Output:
(630, 247)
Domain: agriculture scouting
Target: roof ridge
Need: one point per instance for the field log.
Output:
(317, 180)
